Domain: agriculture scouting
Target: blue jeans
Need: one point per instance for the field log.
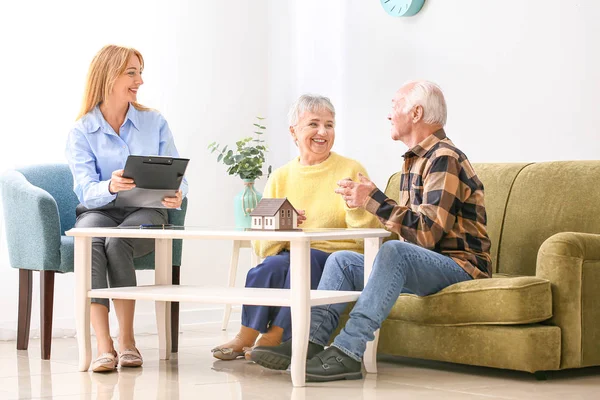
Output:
(273, 272)
(399, 267)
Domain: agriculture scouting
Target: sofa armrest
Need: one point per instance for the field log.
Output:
(32, 224)
(571, 262)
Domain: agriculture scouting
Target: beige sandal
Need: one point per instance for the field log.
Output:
(248, 352)
(105, 362)
(226, 353)
(130, 358)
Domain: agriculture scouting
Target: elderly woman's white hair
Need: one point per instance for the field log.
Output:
(311, 103)
(429, 96)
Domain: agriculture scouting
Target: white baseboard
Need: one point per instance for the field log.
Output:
(145, 323)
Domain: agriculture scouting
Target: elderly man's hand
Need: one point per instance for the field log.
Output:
(355, 193)
(301, 217)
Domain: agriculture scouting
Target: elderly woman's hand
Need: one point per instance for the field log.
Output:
(355, 193)
(118, 183)
(301, 216)
(173, 202)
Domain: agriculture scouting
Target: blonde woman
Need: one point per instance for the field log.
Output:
(111, 126)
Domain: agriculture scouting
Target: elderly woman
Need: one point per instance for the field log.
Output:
(309, 182)
(112, 125)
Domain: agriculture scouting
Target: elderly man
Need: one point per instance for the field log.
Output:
(440, 219)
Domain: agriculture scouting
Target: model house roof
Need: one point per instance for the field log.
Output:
(270, 207)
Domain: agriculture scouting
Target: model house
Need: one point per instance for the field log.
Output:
(274, 214)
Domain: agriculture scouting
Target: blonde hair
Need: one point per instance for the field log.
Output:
(108, 64)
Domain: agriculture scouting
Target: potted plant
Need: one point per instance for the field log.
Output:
(246, 161)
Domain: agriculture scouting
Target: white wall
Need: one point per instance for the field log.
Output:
(521, 80)
(206, 71)
(306, 56)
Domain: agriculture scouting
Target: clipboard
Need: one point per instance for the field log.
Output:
(155, 177)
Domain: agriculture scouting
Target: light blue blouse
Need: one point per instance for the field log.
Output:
(94, 151)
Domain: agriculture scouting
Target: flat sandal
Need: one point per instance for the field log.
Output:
(130, 358)
(105, 362)
(226, 353)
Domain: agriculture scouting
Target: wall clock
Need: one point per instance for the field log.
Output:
(402, 8)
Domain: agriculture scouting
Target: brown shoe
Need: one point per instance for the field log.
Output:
(105, 362)
(130, 358)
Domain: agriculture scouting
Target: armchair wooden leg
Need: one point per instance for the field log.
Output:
(46, 307)
(175, 313)
(25, 292)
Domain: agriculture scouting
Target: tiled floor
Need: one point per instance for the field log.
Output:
(194, 374)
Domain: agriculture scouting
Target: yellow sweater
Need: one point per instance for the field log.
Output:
(311, 188)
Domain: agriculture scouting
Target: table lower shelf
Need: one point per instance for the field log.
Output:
(221, 295)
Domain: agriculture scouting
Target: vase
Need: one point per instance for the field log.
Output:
(244, 203)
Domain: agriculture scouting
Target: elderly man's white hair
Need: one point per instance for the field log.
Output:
(311, 103)
(429, 96)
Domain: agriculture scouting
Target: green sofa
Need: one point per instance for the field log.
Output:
(541, 310)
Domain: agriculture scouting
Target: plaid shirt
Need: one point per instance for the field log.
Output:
(441, 205)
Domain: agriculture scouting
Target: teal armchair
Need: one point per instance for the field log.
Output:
(39, 206)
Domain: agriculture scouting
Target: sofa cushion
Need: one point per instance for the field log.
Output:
(495, 301)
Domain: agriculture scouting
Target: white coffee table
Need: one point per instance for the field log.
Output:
(299, 297)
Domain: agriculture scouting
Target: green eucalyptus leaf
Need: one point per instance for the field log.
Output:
(248, 158)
